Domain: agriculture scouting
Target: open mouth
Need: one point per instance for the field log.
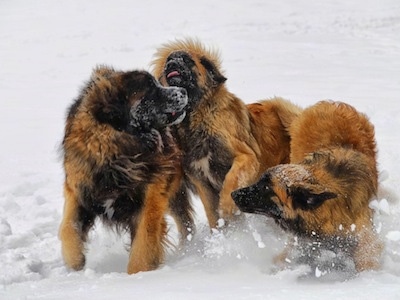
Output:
(176, 117)
(252, 210)
(174, 77)
(173, 73)
(270, 212)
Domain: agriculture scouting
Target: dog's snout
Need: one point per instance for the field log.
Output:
(172, 64)
(178, 60)
(240, 196)
(176, 96)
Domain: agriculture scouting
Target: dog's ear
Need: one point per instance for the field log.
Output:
(306, 198)
(108, 104)
(134, 81)
(215, 74)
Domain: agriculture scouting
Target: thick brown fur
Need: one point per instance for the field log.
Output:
(323, 196)
(121, 165)
(226, 144)
(270, 121)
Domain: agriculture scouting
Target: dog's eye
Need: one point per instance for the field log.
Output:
(207, 64)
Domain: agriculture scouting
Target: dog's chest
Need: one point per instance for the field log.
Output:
(203, 168)
(207, 159)
(115, 204)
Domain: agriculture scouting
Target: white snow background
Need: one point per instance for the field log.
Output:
(301, 50)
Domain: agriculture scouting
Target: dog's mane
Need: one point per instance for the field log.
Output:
(191, 45)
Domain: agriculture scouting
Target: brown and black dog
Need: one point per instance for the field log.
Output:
(322, 197)
(226, 144)
(122, 164)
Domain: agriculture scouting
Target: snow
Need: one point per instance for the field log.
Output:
(301, 50)
(393, 236)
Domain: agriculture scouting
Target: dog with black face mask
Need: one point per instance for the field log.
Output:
(322, 197)
(226, 144)
(122, 164)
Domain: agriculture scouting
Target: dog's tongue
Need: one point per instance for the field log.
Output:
(172, 74)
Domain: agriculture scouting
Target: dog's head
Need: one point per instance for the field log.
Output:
(190, 65)
(135, 99)
(286, 193)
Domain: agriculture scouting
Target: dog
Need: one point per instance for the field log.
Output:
(122, 164)
(226, 144)
(322, 197)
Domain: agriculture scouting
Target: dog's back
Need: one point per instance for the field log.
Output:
(329, 124)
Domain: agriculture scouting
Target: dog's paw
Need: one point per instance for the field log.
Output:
(72, 247)
(228, 210)
(143, 264)
(74, 261)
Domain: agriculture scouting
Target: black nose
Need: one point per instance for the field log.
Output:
(240, 196)
(172, 65)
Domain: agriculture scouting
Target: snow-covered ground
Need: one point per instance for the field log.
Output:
(302, 50)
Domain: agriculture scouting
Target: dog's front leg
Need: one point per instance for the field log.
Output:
(73, 230)
(180, 208)
(210, 200)
(243, 172)
(149, 239)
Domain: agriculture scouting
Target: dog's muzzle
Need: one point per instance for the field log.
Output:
(176, 104)
(176, 72)
(243, 198)
(256, 199)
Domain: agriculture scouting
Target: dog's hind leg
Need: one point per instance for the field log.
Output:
(210, 199)
(147, 250)
(74, 227)
(182, 211)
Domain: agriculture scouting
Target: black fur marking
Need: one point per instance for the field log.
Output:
(306, 200)
(85, 220)
(339, 168)
(200, 145)
(216, 76)
(257, 199)
(116, 115)
(113, 198)
(181, 62)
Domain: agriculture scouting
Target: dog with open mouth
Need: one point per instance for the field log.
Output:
(122, 164)
(322, 197)
(226, 144)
